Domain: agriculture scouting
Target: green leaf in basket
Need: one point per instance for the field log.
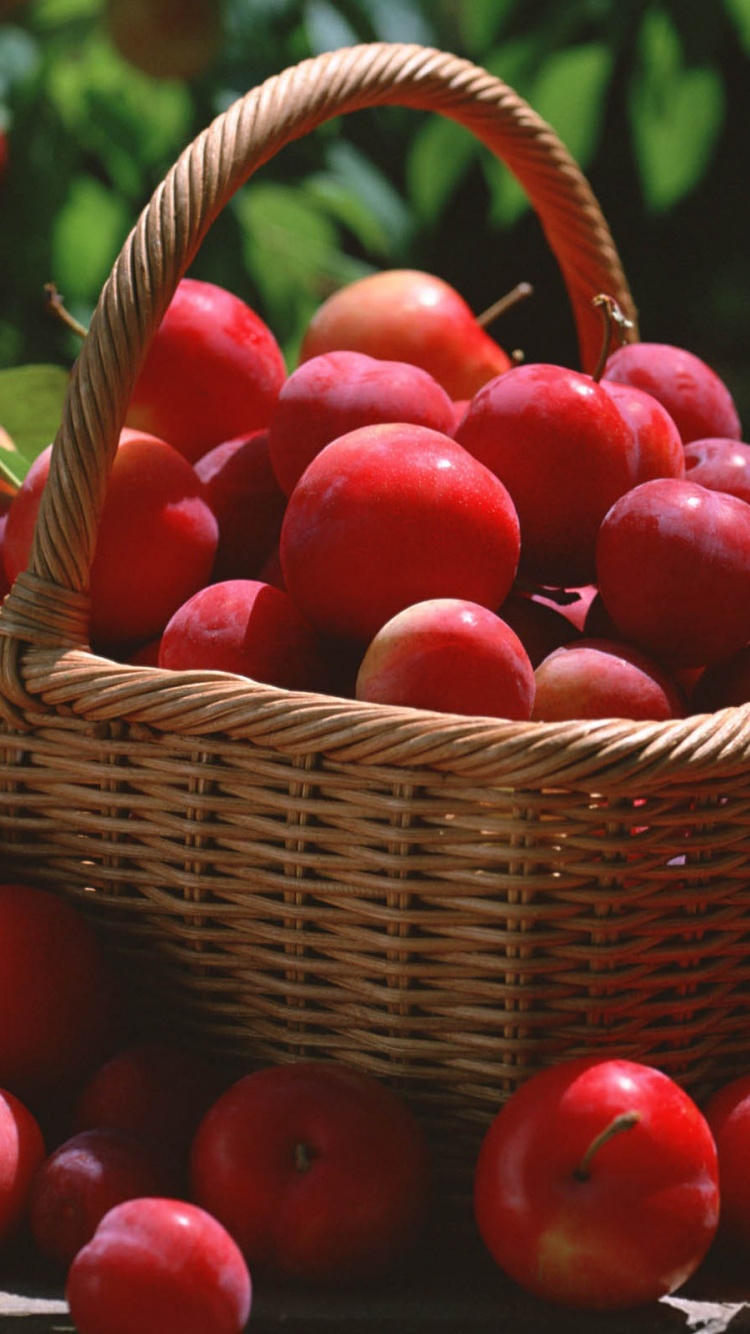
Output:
(676, 114)
(31, 400)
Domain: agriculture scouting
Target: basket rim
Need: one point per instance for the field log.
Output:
(604, 754)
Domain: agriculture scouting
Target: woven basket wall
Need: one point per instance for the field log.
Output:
(447, 903)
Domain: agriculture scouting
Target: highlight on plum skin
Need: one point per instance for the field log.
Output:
(157, 1265)
(393, 514)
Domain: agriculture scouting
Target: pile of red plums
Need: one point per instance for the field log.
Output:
(412, 517)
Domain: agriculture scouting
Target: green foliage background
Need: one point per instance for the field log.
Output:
(652, 98)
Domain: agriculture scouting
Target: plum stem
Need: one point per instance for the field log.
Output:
(518, 293)
(613, 320)
(57, 307)
(623, 1121)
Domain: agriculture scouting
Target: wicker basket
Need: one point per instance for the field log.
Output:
(445, 902)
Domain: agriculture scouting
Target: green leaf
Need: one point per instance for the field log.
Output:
(441, 153)
(480, 22)
(676, 114)
(515, 63)
(385, 223)
(31, 402)
(326, 28)
(569, 93)
(292, 253)
(88, 233)
(131, 123)
(739, 13)
(52, 13)
(19, 57)
(399, 21)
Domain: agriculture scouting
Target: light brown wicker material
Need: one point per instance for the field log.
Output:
(444, 902)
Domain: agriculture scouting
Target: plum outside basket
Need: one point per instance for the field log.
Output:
(447, 903)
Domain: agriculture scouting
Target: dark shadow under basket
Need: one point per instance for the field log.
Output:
(447, 903)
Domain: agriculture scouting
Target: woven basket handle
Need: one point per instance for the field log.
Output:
(49, 605)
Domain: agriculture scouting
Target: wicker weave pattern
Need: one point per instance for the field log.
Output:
(446, 902)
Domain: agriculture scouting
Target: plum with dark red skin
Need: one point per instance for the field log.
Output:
(84, 1177)
(696, 398)
(558, 442)
(673, 565)
(242, 490)
(337, 392)
(213, 371)
(249, 628)
(720, 464)
(389, 515)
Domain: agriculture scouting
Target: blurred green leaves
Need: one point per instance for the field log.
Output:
(91, 137)
(676, 112)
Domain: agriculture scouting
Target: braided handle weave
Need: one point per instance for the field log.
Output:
(174, 223)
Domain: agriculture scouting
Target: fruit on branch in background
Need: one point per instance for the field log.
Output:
(451, 655)
(152, 1090)
(22, 1150)
(213, 371)
(596, 1185)
(697, 399)
(659, 448)
(243, 492)
(318, 1171)
(337, 392)
(596, 678)
(720, 464)
(673, 568)
(408, 315)
(87, 1175)
(245, 626)
(565, 453)
(159, 1266)
(392, 514)
(57, 993)
(155, 546)
(168, 39)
